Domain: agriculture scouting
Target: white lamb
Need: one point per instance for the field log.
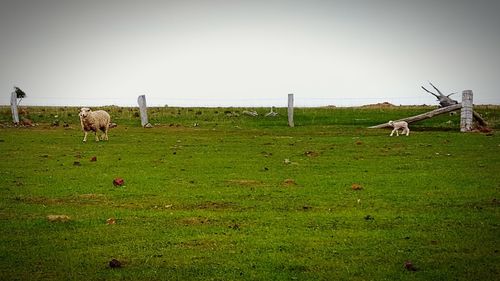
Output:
(94, 121)
(399, 125)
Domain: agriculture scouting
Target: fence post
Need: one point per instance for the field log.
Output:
(13, 107)
(141, 100)
(466, 112)
(290, 110)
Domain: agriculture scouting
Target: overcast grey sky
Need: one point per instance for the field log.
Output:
(222, 52)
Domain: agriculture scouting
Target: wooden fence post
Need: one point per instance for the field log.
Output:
(466, 113)
(13, 107)
(290, 110)
(141, 100)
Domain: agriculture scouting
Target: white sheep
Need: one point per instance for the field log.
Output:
(399, 125)
(94, 121)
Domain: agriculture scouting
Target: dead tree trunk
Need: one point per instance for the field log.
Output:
(444, 100)
(423, 116)
(433, 113)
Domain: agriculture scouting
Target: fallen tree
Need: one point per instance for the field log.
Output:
(423, 116)
(446, 105)
(444, 100)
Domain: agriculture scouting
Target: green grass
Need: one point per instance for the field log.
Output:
(218, 202)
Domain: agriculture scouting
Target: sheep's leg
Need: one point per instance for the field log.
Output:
(407, 131)
(106, 132)
(392, 133)
(96, 137)
(104, 135)
(85, 136)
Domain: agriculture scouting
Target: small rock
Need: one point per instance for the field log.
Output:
(93, 159)
(76, 163)
(111, 221)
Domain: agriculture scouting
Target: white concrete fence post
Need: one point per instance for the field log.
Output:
(13, 108)
(141, 100)
(466, 113)
(290, 110)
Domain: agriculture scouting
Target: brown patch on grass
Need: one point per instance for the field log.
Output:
(356, 186)
(289, 182)
(92, 196)
(311, 154)
(58, 218)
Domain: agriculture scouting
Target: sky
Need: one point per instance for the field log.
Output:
(248, 53)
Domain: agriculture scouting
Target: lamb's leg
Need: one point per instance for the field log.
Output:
(407, 131)
(85, 136)
(96, 137)
(397, 132)
(392, 133)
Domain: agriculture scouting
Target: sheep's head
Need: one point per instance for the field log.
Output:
(391, 123)
(84, 112)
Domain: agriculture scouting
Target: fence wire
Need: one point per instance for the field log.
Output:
(299, 101)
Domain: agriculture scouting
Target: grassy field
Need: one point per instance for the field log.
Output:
(236, 197)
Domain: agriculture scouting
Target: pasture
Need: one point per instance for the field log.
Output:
(212, 194)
